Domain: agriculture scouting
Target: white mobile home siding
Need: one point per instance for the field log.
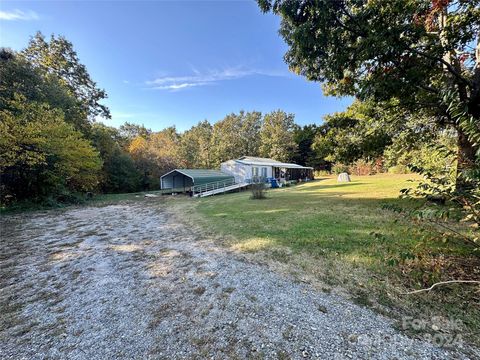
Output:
(264, 174)
(243, 172)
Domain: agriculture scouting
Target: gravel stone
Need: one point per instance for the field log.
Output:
(128, 281)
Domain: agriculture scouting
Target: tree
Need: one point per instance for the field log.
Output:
(19, 77)
(236, 135)
(409, 50)
(156, 155)
(57, 58)
(164, 147)
(276, 135)
(195, 146)
(130, 131)
(360, 132)
(251, 123)
(304, 137)
(139, 151)
(42, 155)
(119, 173)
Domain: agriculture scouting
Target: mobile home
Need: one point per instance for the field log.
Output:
(248, 168)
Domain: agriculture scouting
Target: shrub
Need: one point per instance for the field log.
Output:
(339, 168)
(362, 167)
(258, 190)
(398, 169)
(320, 173)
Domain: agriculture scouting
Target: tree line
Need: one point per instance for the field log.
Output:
(415, 107)
(52, 149)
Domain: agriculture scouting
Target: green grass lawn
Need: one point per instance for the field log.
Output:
(340, 234)
(320, 218)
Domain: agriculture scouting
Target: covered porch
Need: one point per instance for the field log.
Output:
(292, 172)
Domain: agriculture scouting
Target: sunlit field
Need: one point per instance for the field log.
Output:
(320, 217)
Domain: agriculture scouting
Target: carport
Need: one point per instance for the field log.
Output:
(182, 180)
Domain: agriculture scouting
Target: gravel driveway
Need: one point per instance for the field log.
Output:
(127, 281)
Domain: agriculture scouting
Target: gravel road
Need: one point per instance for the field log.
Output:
(128, 281)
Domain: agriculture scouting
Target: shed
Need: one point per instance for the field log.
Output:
(184, 179)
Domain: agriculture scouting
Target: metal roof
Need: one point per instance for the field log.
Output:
(201, 176)
(258, 161)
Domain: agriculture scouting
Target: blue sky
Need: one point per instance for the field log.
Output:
(176, 63)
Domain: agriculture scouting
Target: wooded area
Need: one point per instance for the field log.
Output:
(54, 150)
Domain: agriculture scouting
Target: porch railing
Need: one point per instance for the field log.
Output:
(200, 189)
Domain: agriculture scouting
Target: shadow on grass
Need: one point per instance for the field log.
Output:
(319, 224)
(321, 186)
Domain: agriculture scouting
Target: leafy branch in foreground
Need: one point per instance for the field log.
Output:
(454, 197)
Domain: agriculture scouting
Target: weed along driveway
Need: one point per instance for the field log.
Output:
(130, 281)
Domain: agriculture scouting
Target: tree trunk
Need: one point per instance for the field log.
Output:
(466, 157)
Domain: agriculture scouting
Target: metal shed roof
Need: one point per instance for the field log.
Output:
(258, 161)
(201, 176)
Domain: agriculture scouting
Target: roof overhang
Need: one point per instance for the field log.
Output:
(176, 170)
(198, 176)
(275, 164)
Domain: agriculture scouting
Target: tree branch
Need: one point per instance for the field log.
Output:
(428, 88)
(443, 283)
(442, 61)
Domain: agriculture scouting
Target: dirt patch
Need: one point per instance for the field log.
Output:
(128, 281)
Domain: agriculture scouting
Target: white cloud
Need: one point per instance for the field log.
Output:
(176, 83)
(17, 14)
(177, 87)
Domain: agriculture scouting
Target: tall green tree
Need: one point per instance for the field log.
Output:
(119, 173)
(304, 137)
(47, 102)
(42, 155)
(195, 146)
(363, 131)
(409, 50)
(57, 57)
(277, 136)
(251, 123)
(236, 135)
(19, 78)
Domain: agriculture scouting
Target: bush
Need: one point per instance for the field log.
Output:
(258, 190)
(340, 168)
(424, 155)
(320, 173)
(398, 169)
(362, 167)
